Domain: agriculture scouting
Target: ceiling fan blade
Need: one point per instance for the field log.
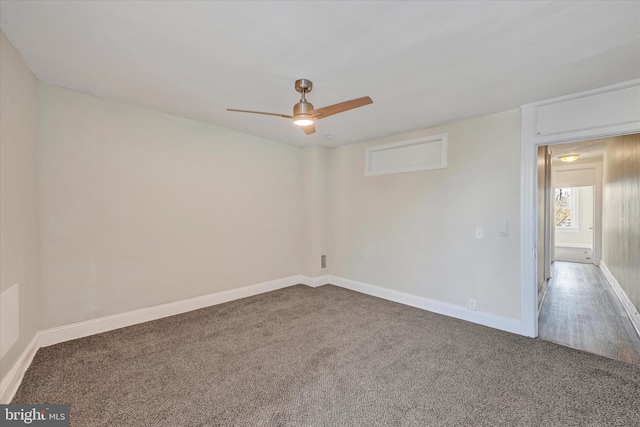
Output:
(321, 113)
(309, 129)
(261, 112)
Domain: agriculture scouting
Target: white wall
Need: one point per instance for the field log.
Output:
(415, 232)
(315, 168)
(583, 237)
(140, 208)
(19, 243)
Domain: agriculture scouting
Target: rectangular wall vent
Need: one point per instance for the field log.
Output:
(418, 154)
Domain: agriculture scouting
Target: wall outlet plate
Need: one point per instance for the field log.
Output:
(479, 233)
(472, 304)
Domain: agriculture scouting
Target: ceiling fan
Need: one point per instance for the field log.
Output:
(303, 112)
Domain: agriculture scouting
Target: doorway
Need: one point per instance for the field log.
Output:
(578, 306)
(604, 112)
(573, 218)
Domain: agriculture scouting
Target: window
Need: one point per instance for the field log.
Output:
(566, 209)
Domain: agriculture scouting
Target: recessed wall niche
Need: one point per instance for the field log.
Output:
(429, 152)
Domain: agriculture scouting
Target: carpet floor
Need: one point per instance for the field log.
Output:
(327, 356)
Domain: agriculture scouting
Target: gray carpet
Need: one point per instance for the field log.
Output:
(327, 357)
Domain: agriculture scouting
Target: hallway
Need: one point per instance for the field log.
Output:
(581, 310)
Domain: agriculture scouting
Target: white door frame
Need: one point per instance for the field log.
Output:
(608, 111)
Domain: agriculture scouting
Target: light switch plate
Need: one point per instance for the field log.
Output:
(504, 227)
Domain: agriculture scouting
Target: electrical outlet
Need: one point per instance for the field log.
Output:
(479, 233)
(472, 304)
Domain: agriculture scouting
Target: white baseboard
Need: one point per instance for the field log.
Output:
(574, 245)
(314, 282)
(52, 336)
(631, 309)
(482, 318)
(103, 324)
(12, 380)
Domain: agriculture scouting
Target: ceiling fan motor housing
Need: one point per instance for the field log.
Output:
(302, 107)
(303, 86)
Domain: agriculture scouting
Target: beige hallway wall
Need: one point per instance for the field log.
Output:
(621, 213)
(543, 164)
(19, 239)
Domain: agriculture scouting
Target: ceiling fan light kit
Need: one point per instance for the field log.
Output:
(303, 120)
(303, 112)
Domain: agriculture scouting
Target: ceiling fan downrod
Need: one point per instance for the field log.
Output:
(302, 110)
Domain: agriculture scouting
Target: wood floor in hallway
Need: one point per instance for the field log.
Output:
(581, 310)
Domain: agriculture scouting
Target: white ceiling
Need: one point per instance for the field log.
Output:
(422, 63)
(588, 150)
